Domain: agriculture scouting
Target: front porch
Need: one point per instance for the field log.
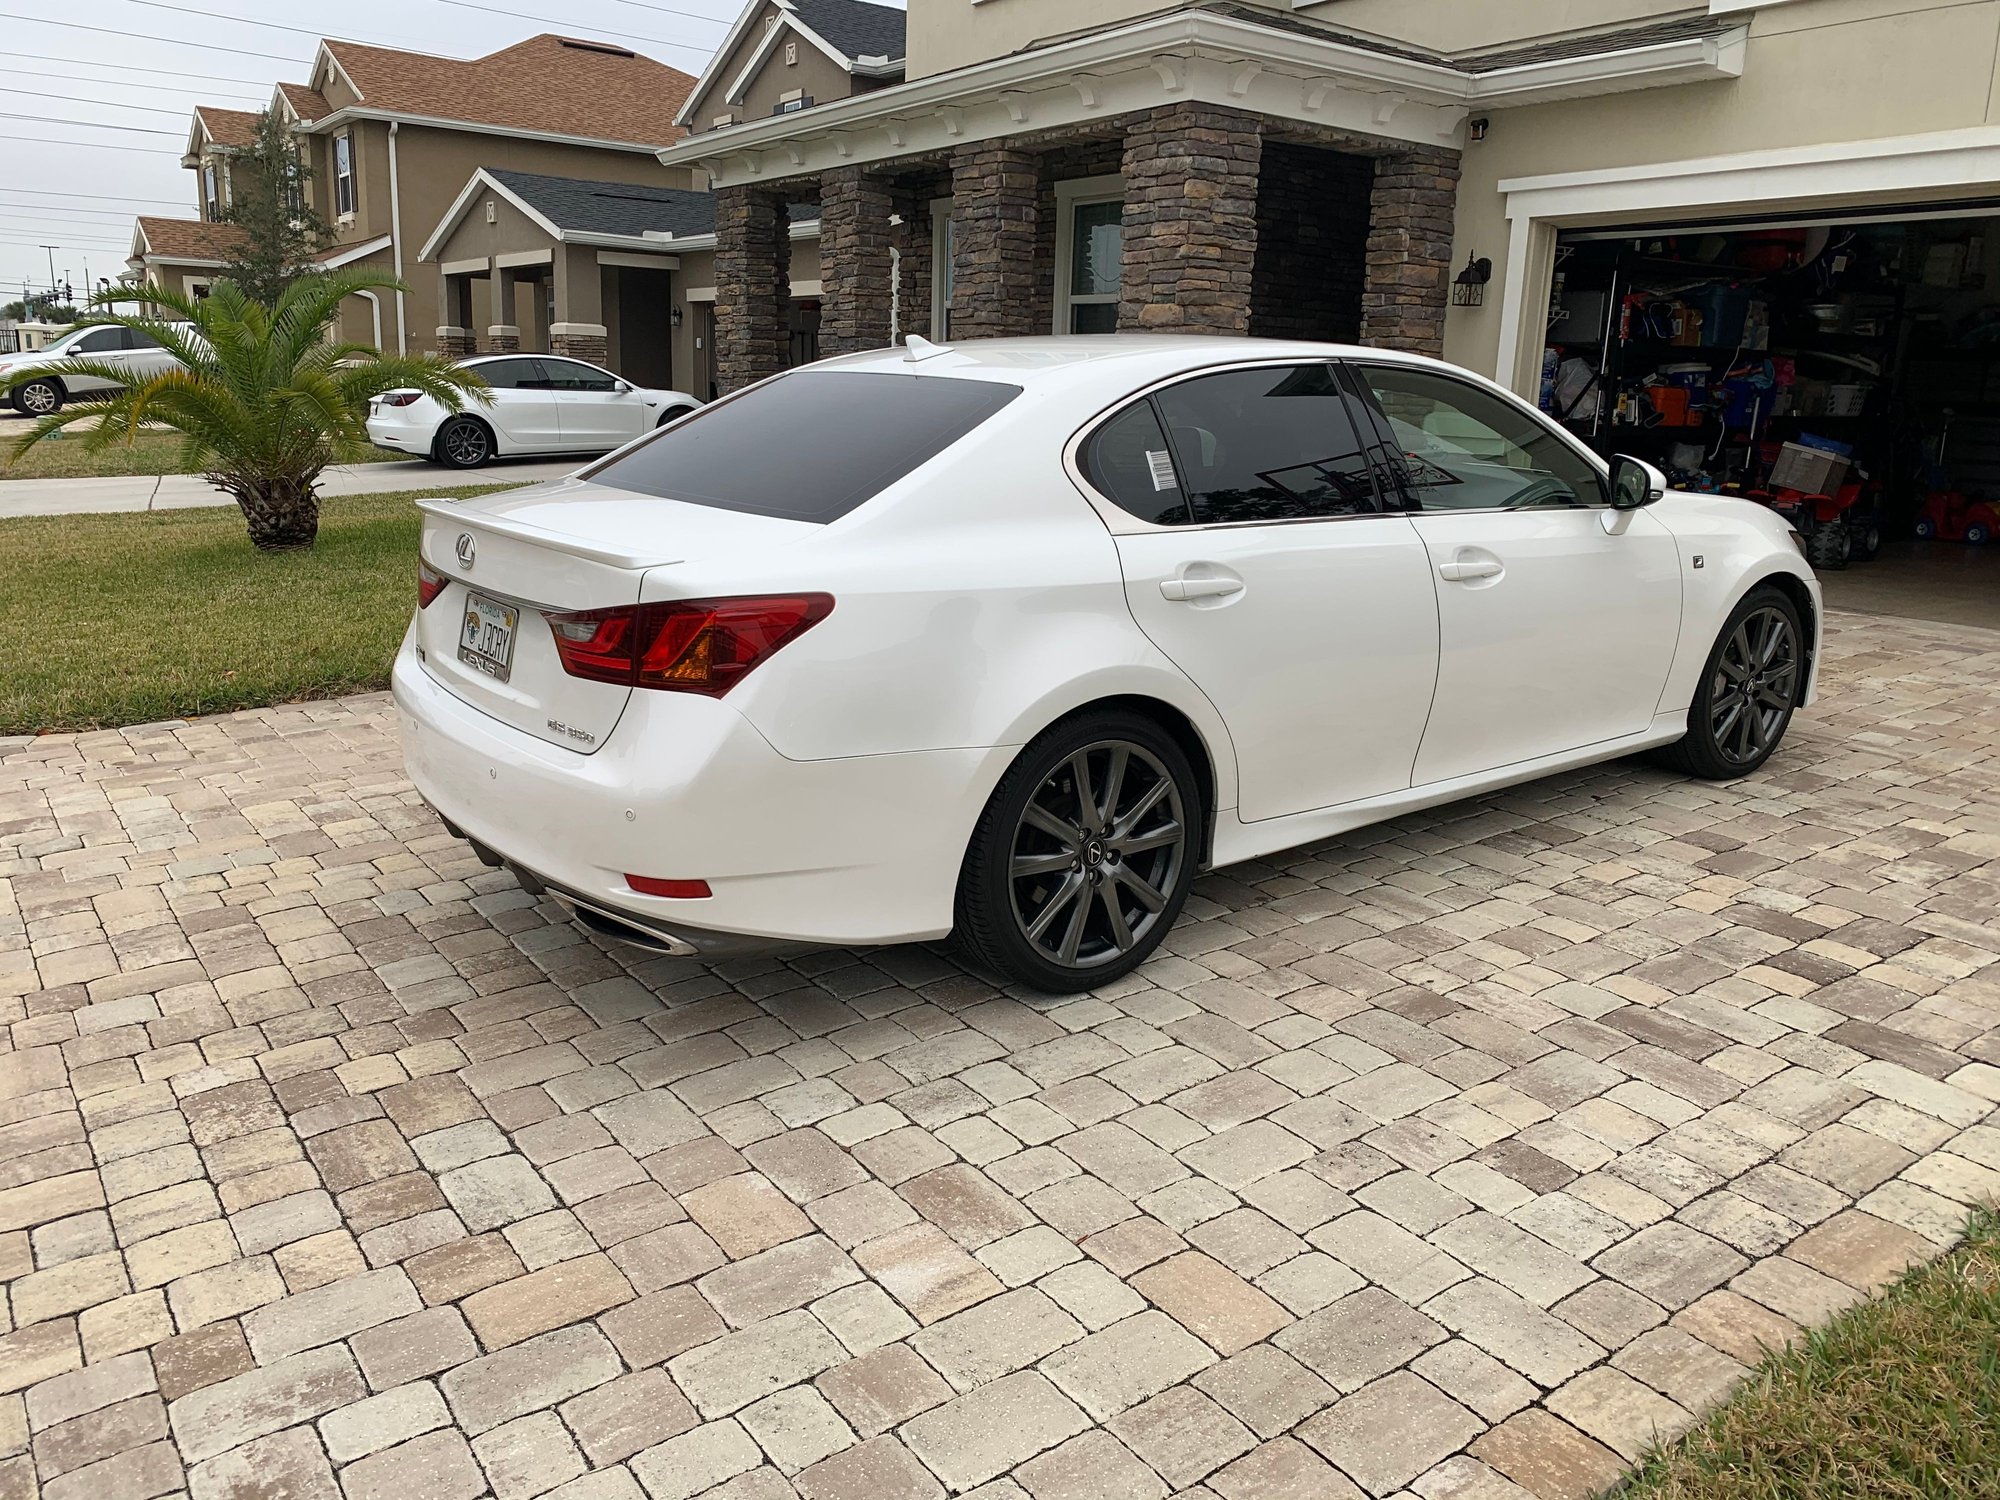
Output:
(1190, 217)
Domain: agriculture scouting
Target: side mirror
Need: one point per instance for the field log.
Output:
(623, 389)
(1634, 483)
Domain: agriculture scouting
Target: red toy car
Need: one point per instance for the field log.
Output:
(1953, 516)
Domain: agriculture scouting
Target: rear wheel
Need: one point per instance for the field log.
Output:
(1976, 533)
(1748, 690)
(38, 398)
(1867, 539)
(1828, 546)
(1084, 854)
(463, 443)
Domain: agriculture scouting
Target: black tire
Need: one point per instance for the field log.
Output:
(1721, 745)
(38, 398)
(1827, 547)
(1026, 871)
(463, 443)
(673, 414)
(1867, 541)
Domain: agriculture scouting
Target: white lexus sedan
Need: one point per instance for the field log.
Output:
(541, 403)
(1010, 639)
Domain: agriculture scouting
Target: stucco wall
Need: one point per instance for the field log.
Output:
(815, 74)
(1816, 72)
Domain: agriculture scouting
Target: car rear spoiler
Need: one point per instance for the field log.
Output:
(554, 541)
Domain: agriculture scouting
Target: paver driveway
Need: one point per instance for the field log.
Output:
(1483, 1144)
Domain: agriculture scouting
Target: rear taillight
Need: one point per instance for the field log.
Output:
(686, 645)
(430, 583)
(400, 398)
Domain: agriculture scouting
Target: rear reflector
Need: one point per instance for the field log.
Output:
(685, 890)
(684, 645)
(430, 583)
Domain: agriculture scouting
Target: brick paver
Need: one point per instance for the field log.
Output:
(1470, 1152)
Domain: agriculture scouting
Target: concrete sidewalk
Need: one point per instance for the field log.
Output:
(75, 497)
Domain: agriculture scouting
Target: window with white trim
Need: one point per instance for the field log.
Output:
(343, 174)
(211, 194)
(1090, 233)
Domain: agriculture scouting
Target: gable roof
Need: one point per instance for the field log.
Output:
(857, 28)
(231, 129)
(549, 85)
(308, 104)
(621, 208)
(193, 240)
(861, 35)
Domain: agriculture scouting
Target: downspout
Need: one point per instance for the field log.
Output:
(374, 314)
(396, 244)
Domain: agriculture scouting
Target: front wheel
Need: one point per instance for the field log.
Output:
(1084, 854)
(1926, 528)
(1827, 547)
(38, 398)
(1748, 690)
(464, 443)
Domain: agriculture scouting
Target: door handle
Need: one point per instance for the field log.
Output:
(1183, 589)
(1462, 572)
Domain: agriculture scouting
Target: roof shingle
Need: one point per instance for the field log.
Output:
(235, 128)
(858, 28)
(547, 83)
(188, 239)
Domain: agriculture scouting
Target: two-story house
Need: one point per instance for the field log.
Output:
(392, 137)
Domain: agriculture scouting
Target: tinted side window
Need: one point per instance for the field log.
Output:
(1273, 444)
(137, 340)
(99, 341)
(808, 446)
(568, 375)
(1128, 462)
(1467, 449)
(512, 374)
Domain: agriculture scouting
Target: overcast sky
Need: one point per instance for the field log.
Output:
(69, 71)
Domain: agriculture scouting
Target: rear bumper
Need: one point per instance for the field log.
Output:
(401, 437)
(858, 850)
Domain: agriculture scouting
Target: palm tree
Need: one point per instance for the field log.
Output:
(263, 398)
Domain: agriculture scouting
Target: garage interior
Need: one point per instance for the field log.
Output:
(1843, 370)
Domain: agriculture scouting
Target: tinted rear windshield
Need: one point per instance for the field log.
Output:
(809, 447)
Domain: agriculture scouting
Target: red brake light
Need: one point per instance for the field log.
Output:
(430, 583)
(401, 398)
(685, 645)
(652, 885)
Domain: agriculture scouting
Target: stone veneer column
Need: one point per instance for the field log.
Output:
(586, 341)
(752, 284)
(1190, 219)
(993, 190)
(1410, 210)
(457, 343)
(854, 238)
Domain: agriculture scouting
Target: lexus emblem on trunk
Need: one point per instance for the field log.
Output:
(467, 549)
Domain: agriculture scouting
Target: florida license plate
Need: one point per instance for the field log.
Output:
(486, 643)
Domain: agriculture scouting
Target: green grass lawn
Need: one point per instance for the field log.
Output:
(125, 619)
(1895, 1399)
(149, 453)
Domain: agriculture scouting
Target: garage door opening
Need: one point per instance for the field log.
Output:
(1845, 372)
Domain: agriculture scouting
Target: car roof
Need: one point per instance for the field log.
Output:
(1062, 360)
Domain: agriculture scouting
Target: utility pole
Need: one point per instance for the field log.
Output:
(52, 266)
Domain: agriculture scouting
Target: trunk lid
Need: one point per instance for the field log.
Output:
(511, 559)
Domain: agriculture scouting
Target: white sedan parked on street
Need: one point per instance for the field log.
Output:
(542, 403)
(1009, 639)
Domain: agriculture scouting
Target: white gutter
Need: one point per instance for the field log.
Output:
(351, 112)
(396, 237)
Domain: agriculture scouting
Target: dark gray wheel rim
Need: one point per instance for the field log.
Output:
(1756, 675)
(38, 398)
(1097, 854)
(465, 443)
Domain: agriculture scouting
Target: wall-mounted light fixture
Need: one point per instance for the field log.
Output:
(1469, 289)
(674, 317)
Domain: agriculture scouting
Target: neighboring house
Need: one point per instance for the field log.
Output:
(391, 137)
(784, 56)
(626, 271)
(1320, 169)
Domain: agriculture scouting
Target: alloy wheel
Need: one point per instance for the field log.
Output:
(465, 444)
(1096, 853)
(1756, 678)
(39, 399)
